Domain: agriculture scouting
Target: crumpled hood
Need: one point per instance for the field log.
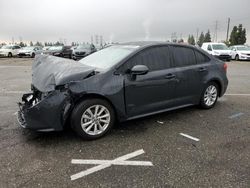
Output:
(49, 71)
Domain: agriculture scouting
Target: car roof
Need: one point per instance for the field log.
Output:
(142, 44)
(213, 43)
(239, 45)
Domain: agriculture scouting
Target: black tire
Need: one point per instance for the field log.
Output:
(203, 103)
(33, 55)
(79, 110)
(237, 57)
(9, 54)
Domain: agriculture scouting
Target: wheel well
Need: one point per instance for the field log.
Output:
(94, 96)
(219, 85)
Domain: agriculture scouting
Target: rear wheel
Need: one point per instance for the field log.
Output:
(92, 118)
(9, 54)
(33, 55)
(209, 95)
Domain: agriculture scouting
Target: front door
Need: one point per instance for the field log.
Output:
(153, 91)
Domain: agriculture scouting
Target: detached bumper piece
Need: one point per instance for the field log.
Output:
(44, 112)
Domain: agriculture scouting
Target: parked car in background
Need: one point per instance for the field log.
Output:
(219, 50)
(82, 51)
(240, 52)
(121, 82)
(60, 51)
(46, 48)
(29, 51)
(9, 50)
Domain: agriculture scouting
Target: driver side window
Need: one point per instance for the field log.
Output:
(155, 58)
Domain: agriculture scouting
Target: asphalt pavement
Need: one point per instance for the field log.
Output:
(189, 147)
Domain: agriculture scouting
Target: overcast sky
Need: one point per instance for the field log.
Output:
(117, 20)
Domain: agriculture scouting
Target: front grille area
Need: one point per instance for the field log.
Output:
(80, 53)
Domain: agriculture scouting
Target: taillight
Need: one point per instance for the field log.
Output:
(225, 67)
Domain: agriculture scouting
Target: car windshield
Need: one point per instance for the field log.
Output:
(220, 47)
(108, 57)
(28, 48)
(83, 46)
(55, 48)
(7, 47)
(242, 48)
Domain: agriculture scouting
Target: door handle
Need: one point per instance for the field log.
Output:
(202, 69)
(170, 76)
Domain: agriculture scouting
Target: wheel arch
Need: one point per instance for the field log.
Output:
(218, 82)
(94, 96)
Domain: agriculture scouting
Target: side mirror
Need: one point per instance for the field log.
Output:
(139, 70)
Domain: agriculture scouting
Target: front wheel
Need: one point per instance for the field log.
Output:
(209, 95)
(237, 58)
(92, 118)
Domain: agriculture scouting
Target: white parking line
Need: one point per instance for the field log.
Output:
(237, 94)
(102, 164)
(190, 137)
(13, 66)
(13, 92)
(236, 115)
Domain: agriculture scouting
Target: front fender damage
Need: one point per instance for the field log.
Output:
(42, 112)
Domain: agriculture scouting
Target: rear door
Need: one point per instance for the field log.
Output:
(186, 71)
(203, 69)
(153, 91)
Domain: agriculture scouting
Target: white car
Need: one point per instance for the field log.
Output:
(240, 52)
(9, 50)
(219, 50)
(30, 51)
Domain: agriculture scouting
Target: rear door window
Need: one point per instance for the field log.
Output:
(201, 58)
(183, 56)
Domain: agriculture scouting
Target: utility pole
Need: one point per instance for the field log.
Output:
(215, 31)
(197, 35)
(228, 24)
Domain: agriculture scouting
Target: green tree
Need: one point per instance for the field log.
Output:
(38, 44)
(241, 35)
(191, 40)
(238, 35)
(201, 39)
(207, 37)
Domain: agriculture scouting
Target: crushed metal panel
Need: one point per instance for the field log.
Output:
(49, 71)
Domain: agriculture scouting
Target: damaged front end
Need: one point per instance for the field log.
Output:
(48, 106)
(44, 111)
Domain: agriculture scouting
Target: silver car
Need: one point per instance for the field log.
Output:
(29, 51)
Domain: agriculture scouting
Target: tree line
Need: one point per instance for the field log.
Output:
(237, 37)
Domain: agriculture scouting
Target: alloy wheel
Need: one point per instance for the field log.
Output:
(95, 120)
(210, 95)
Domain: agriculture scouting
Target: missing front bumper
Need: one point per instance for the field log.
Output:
(43, 113)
